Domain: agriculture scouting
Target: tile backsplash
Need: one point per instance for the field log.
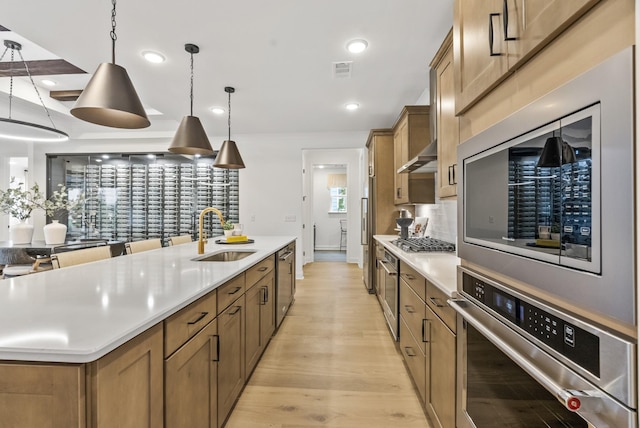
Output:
(442, 219)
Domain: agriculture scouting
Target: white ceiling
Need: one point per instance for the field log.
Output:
(278, 54)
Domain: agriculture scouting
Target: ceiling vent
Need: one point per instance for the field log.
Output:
(342, 69)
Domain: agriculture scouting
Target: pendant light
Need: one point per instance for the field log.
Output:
(555, 153)
(190, 138)
(229, 156)
(110, 98)
(13, 129)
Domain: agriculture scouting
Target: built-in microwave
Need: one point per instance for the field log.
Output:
(546, 195)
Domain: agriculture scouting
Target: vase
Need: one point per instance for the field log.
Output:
(21, 233)
(228, 232)
(55, 233)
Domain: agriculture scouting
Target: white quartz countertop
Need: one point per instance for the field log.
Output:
(438, 267)
(80, 313)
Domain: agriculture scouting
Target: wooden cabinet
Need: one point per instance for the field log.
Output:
(191, 382)
(447, 125)
(127, 384)
(231, 366)
(493, 37)
(184, 324)
(410, 136)
(428, 344)
(259, 319)
(42, 395)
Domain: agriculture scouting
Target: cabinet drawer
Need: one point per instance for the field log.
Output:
(415, 359)
(437, 301)
(413, 279)
(230, 291)
(259, 270)
(413, 310)
(184, 324)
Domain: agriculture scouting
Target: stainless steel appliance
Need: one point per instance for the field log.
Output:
(285, 282)
(423, 245)
(391, 267)
(522, 363)
(563, 164)
(366, 248)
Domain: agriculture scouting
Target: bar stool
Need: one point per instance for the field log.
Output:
(343, 234)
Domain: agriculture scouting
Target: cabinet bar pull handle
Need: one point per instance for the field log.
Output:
(409, 309)
(453, 169)
(235, 290)
(409, 276)
(263, 295)
(449, 172)
(491, 52)
(197, 320)
(236, 311)
(263, 268)
(425, 330)
(436, 303)
(505, 21)
(215, 349)
(409, 351)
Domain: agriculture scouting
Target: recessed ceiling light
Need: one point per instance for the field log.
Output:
(352, 106)
(217, 110)
(98, 160)
(153, 57)
(105, 156)
(48, 82)
(357, 46)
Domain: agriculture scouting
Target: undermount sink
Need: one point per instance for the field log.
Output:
(225, 256)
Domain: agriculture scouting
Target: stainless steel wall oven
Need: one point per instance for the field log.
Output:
(524, 364)
(391, 266)
(547, 195)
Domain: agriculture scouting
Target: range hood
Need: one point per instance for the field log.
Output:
(426, 161)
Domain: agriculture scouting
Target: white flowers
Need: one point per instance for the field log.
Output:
(20, 202)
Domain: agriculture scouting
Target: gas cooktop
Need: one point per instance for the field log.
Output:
(423, 244)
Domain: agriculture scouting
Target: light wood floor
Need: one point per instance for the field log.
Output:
(331, 364)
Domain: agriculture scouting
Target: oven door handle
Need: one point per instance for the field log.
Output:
(572, 399)
(390, 273)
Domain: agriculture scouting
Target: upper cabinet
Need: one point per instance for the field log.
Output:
(446, 122)
(492, 38)
(410, 136)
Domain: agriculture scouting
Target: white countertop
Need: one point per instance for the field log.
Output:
(439, 268)
(80, 313)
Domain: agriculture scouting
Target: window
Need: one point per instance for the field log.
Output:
(338, 199)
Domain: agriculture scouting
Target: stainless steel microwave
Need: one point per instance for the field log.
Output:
(547, 194)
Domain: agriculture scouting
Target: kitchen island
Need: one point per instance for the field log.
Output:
(90, 345)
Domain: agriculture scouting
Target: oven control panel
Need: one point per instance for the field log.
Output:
(526, 315)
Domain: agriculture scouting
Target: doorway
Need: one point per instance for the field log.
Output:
(332, 188)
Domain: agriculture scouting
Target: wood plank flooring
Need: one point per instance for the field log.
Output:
(332, 363)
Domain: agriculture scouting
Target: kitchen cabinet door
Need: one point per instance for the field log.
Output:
(448, 133)
(480, 56)
(441, 366)
(410, 136)
(127, 384)
(191, 377)
(531, 24)
(259, 319)
(231, 367)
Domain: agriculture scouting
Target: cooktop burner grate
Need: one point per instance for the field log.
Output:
(423, 244)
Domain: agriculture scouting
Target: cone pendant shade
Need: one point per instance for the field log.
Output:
(111, 100)
(190, 138)
(229, 156)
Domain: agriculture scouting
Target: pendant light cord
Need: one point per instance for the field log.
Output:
(17, 47)
(229, 120)
(113, 35)
(191, 93)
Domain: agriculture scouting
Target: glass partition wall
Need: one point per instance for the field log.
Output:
(131, 197)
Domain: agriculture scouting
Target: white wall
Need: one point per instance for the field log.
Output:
(271, 185)
(326, 225)
(355, 161)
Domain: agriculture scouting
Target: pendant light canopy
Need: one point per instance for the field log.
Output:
(12, 129)
(229, 156)
(110, 98)
(555, 153)
(190, 138)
